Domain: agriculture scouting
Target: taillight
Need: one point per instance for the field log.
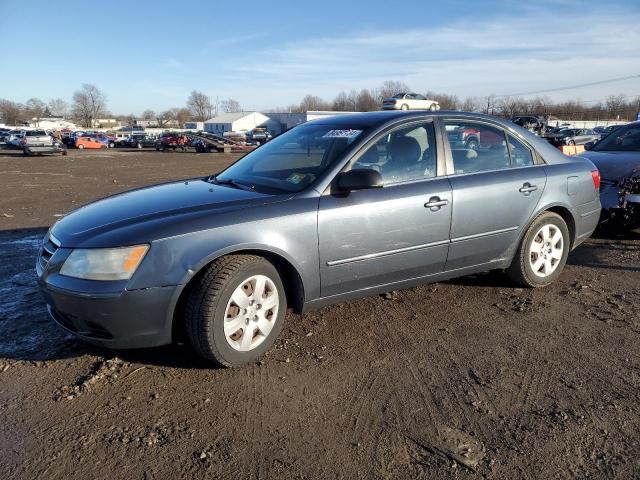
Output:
(595, 175)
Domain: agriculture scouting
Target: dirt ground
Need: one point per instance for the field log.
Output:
(472, 378)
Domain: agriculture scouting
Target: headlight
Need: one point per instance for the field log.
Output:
(104, 263)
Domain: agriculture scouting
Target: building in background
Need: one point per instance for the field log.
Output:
(193, 125)
(240, 123)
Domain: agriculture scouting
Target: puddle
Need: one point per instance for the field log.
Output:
(26, 332)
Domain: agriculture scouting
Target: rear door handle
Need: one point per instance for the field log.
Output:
(435, 203)
(527, 188)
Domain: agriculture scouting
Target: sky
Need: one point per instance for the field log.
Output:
(152, 54)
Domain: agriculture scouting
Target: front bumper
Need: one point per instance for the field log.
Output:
(105, 313)
(130, 319)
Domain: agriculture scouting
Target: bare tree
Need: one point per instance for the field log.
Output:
(58, 107)
(312, 102)
(181, 115)
(34, 109)
(11, 113)
(389, 88)
(165, 117)
(471, 104)
(446, 101)
(366, 101)
(200, 106)
(148, 115)
(88, 104)
(230, 106)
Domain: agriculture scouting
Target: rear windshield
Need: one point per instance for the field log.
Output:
(626, 139)
(293, 160)
(36, 133)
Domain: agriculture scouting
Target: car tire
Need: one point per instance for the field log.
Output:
(139, 145)
(472, 144)
(404, 107)
(212, 300)
(433, 107)
(571, 143)
(25, 152)
(64, 153)
(535, 269)
(81, 147)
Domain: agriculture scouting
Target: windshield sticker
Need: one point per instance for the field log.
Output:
(296, 178)
(342, 134)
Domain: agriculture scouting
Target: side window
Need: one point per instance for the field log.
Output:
(407, 153)
(476, 147)
(521, 155)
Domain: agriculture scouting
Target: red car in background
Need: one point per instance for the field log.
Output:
(172, 141)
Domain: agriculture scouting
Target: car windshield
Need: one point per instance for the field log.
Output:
(621, 140)
(291, 161)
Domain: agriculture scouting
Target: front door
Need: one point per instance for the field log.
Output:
(380, 236)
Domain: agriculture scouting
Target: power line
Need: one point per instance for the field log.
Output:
(572, 87)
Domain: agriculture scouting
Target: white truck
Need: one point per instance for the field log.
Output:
(39, 142)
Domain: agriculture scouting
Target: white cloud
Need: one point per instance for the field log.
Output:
(503, 55)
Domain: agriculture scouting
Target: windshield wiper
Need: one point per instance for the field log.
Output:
(230, 181)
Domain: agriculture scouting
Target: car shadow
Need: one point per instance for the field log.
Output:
(606, 249)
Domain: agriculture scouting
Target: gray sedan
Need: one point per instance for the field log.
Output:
(332, 210)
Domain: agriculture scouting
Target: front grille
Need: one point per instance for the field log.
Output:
(49, 247)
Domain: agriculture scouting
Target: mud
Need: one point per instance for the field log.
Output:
(473, 378)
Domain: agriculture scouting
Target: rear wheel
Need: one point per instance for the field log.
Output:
(543, 252)
(235, 310)
(80, 146)
(139, 145)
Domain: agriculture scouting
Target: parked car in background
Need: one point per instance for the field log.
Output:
(612, 128)
(90, 142)
(617, 157)
(331, 210)
(108, 140)
(532, 123)
(572, 136)
(4, 134)
(140, 141)
(40, 142)
(14, 138)
(409, 101)
(171, 141)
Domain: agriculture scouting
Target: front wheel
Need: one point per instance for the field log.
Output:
(433, 107)
(235, 310)
(542, 253)
(404, 107)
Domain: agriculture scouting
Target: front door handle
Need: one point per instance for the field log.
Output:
(435, 203)
(527, 188)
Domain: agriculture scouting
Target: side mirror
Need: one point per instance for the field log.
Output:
(589, 145)
(359, 179)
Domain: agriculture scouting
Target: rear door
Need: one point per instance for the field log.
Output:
(398, 232)
(496, 188)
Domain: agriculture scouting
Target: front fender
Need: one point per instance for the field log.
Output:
(287, 229)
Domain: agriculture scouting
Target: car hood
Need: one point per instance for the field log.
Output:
(613, 165)
(149, 206)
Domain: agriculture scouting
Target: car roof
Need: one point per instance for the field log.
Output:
(366, 120)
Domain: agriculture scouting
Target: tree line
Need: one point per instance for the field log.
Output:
(89, 104)
(613, 107)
